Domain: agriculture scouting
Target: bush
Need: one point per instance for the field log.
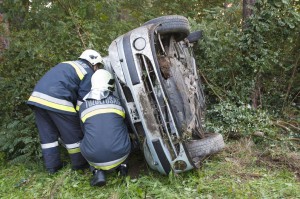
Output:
(240, 120)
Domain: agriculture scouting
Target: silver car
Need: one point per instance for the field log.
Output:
(157, 81)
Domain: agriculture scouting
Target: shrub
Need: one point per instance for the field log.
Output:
(240, 120)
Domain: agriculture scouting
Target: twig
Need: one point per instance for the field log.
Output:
(279, 121)
(210, 85)
(291, 80)
(295, 96)
(294, 139)
(68, 10)
(77, 28)
(282, 126)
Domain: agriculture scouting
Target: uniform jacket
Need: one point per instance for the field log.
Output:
(63, 87)
(106, 138)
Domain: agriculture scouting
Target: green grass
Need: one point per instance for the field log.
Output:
(237, 172)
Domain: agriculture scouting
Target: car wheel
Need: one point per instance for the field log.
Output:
(210, 144)
(172, 24)
(194, 36)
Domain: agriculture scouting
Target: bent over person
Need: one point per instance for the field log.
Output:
(54, 101)
(106, 144)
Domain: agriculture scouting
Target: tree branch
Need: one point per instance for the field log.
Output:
(68, 10)
(295, 127)
(210, 86)
(291, 81)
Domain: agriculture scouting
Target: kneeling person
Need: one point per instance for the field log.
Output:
(106, 144)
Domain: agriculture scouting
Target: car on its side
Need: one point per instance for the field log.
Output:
(158, 83)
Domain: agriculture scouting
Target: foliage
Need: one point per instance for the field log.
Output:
(261, 59)
(271, 44)
(255, 65)
(43, 33)
(219, 57)
(239, 120)
(235, 62)
(230, 174)
(47, 36)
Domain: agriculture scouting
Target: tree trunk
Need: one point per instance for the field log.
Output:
(247, 11)
(4, 32)
(256, 92)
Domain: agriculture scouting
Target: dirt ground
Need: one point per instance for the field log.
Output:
(242, 153)
(290, 161)
(137, 164)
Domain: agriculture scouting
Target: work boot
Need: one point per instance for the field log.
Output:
(98, 178)
(81, 167)
(78, 162)
(123, 169)
(55, 169)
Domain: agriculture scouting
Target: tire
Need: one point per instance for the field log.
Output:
(194, 36)
(172, 24)
(212, 143)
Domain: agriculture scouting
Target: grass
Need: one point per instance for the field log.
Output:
(240, 171)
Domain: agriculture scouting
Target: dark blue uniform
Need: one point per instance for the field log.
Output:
(55, 99)
(106, 142)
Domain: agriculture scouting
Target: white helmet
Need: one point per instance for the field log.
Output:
(91, 56)
(103, 80)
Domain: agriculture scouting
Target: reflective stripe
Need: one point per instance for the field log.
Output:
(52, 102)
(101, 111)
(78, 105)
(75, 150)
(49, 145)
(52, 99)
(71, 146)
(78, 68)
(82, 69)
(101, 106)
(109, 165)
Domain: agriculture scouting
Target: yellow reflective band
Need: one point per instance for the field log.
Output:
(77, 107)
(100, 111)
(78, 71)
(51, 104)
(75, 150)
(107, 167)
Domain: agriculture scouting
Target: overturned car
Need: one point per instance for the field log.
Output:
(157, 81)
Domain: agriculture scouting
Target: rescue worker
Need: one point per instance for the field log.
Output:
(106, 144)
(55, 101)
